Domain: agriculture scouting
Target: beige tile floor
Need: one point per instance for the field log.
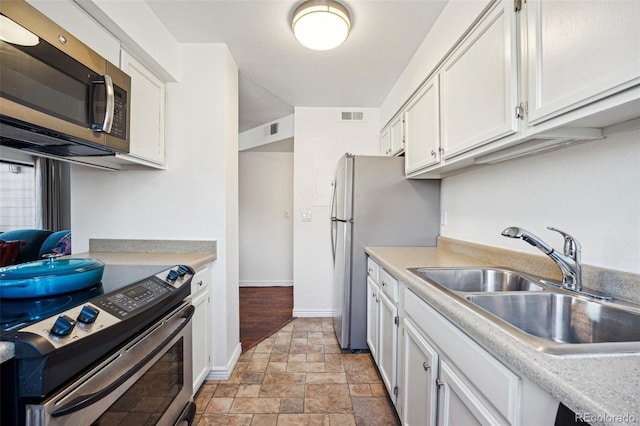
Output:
(298, 376)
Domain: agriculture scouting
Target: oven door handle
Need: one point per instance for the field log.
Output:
(87, 400)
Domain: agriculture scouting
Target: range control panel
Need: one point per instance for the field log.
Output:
(104, 311)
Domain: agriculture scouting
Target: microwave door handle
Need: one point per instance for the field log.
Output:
(110, 105)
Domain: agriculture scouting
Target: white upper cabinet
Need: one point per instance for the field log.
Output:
(579, 52)
(422, 122)
(148, 100)
(479, 84)
(397, 135)
(392, 137)
(385, 141)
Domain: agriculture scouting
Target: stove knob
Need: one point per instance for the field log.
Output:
(63, 326)
(88, 314)
(182, 270)
(173, 275)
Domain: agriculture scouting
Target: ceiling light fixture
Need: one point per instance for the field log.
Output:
(321, 24)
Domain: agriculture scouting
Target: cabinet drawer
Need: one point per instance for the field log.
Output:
(488, 375)
(389, 285)
(373, 269)
(199, 281)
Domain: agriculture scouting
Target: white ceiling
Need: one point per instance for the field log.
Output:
(277, 73)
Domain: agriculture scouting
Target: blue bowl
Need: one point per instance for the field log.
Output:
(49, 277)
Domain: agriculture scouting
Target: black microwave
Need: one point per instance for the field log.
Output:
(57, 96)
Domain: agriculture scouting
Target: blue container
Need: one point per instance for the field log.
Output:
(49, 277)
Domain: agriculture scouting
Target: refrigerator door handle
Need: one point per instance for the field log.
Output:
(334, 230)
(334, 225)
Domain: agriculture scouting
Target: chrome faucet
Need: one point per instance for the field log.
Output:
(569, 262)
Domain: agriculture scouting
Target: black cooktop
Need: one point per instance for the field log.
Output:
(18, 313)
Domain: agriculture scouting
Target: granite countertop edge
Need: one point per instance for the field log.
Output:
(602, 385)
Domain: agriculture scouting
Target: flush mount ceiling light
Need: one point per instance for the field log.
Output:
(321, 24)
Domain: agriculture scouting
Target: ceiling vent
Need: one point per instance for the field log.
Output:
(352, 115)
(272, 129)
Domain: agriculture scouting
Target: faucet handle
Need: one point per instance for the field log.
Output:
(571, 246)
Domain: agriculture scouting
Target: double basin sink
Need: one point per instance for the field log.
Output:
(550, 319)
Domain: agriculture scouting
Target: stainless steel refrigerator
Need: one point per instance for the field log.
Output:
(373, 204)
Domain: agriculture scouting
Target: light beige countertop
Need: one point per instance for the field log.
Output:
(605, 386)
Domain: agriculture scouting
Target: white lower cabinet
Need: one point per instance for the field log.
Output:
(382, 325)
(201, 325)
(448, 379)
(437, 375)
(372, 317)
(388, 343)
(419, 373)
(459, 405)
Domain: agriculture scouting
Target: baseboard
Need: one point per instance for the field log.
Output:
(224, 373)
(318, 313)
(284, 283)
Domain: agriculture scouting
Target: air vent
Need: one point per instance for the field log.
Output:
(352, 115)
(273, 129)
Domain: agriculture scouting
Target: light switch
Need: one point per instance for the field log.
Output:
(305, 216)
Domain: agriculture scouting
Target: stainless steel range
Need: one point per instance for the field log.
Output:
(118, 352)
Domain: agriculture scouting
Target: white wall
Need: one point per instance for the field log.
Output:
(591, 191)
(266, 224)
(195, 198)
(320, 139)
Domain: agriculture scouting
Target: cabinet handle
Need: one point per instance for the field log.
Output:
(425, 365)
(433, 153)
(384, 283)
(439, 383)
(199, 283)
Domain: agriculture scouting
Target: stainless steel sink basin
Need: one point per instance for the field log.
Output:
(478, 280)
(562, 323)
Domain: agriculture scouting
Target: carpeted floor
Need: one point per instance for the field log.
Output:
(263, 311)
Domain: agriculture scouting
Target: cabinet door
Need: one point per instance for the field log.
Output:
(579, 52)
(479, 84)
(422, 122)
(397, 136)
(147, 111)
(419, 370)
(201, 326)
(385, 141)
(459, 404)
(372, 317)
(388, 343)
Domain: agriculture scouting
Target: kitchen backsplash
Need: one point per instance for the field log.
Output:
(153, 246)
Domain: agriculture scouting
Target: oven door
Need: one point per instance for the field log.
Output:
(147, 381)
